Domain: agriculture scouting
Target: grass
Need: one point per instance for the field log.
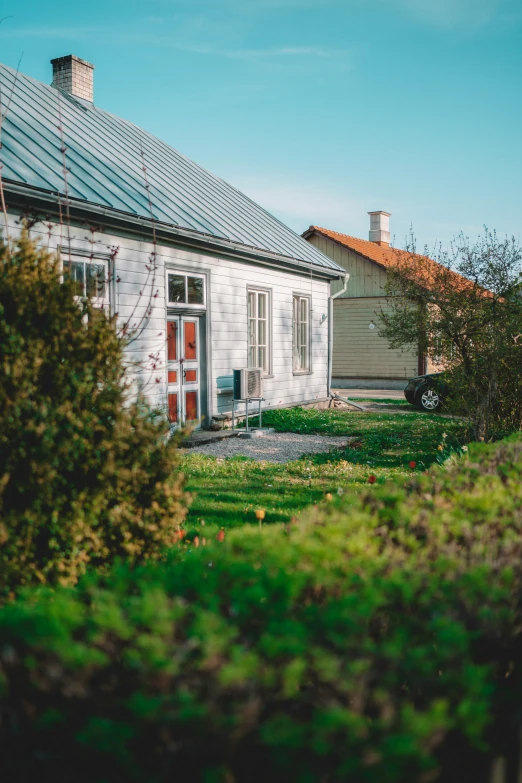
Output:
(386, 400)
(227, 492)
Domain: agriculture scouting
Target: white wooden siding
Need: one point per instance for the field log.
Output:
(226, 308)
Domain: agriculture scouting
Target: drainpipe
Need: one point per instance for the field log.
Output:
(330, 330)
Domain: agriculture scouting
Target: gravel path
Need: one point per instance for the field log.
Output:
(279, 447)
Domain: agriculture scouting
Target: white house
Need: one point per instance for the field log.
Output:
(205, 279)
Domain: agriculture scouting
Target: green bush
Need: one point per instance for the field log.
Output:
(376, 641)
(85, 476)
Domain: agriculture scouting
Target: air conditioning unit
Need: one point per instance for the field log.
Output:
(248, 384)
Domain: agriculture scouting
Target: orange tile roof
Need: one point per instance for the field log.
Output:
(384, 255)
(387, 256)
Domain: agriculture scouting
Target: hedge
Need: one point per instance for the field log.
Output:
(375, 641)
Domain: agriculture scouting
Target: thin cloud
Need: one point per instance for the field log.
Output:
(76, 33)
(301, 204)
(288, 51)
(260, 5)
(86, 33)
(452, 13)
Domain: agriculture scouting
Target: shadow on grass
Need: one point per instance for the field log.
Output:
(227, 492)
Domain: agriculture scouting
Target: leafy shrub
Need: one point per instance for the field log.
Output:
(376, 641)
(84, 475)
(465, 314)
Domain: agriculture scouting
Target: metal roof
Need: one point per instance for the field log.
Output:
(105, 156)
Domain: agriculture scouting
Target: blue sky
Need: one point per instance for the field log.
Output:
(320, 110)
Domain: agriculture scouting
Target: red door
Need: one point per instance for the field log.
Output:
(183, 369)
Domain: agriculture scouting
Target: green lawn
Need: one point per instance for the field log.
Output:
(226, 493)
(387, 400)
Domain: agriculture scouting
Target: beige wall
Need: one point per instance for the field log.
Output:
(366, 278)
(358, 351)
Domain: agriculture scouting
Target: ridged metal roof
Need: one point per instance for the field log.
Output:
(105, 156)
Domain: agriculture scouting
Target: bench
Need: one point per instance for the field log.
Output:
(225, 384)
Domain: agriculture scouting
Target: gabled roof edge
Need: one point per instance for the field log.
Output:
(317, 230)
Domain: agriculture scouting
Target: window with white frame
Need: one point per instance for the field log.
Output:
(259, 329)
(301, 334)
(442, 347)
(90, 278)
(185, 289)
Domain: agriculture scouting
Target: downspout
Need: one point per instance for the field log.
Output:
(330, 330)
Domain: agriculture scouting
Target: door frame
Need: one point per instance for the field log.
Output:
(204, 316)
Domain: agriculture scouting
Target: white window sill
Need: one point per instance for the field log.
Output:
(186, 305)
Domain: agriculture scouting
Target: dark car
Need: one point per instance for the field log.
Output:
(427, 391)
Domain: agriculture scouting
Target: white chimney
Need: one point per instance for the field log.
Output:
(380, 227)
(74, 76)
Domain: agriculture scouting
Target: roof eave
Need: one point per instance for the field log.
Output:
(109, 216)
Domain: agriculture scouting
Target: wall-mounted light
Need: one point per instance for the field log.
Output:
(372, 325)
(323, 318)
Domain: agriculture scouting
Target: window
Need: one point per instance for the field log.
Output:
(185, 289)
(301, 334)
(259, 330)
(443, 348)
(91, 279)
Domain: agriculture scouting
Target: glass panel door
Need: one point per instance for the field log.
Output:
(183, 369)
(191, 369)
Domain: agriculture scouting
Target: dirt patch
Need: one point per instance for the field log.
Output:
(279, 447)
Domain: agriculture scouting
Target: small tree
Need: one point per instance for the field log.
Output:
(465, 314)
(85, 475)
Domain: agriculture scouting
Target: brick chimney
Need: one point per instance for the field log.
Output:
(380, 227)
(74, 76)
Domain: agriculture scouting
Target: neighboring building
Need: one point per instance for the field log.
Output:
(209, 281)
(361, 357)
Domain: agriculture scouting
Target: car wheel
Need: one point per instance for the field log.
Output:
(429, 400)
